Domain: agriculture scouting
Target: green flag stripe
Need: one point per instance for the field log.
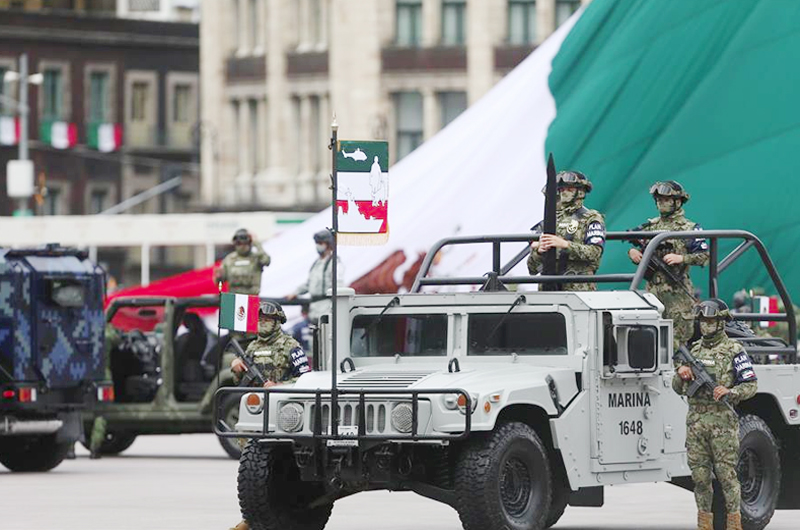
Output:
(359, 156)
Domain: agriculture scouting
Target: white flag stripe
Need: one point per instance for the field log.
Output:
(240, 324)
(357, 184)
(59, 135)
(105, 138)
(8, 130)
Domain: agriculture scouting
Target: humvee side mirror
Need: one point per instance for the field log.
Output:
(642, 347)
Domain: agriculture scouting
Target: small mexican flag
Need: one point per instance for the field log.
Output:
(9, 130)
(59, 134)
(238, 312)
(105, 137)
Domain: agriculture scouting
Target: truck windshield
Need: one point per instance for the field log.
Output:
(523, 334)
(66, 293)
(406, 335)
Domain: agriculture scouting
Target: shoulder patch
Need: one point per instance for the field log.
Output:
(595, 234)
(743, 369)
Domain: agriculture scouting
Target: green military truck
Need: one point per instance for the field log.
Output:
(164, 360)
(507, 405)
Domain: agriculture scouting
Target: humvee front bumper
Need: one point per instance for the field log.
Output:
(363, 415)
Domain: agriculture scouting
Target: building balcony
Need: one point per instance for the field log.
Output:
(145, 136)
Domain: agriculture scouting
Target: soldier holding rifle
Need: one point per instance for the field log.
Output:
(668, 277)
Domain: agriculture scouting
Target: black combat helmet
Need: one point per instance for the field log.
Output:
(669, 188)
(324, 236)
(242, 236)
(269, 308)
(712, 308)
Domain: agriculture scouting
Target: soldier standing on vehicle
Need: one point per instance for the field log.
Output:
(242, 268)
(277, 355)
(712, 429)
(320, 277)
(678, 255)
(580, 233)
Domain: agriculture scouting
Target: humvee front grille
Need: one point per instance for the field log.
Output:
(375, 421)
(382, 379)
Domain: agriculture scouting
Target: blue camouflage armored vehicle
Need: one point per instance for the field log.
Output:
(52, 362)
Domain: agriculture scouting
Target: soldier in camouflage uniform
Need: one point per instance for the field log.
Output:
(678, 255)
(98, 435)
(277, 355)
(712, 430)
(580, 233)
(242, 268)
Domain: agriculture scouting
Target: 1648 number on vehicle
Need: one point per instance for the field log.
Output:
(630, 427)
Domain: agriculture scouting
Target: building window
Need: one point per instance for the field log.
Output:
(409, 22)
(454, 22)
(452, 104)
(521, 21)
(565, 9)
(98, 97)
(139, 97)
(255, 129)
(53, 94)
(52, 201)
(144, 5)
(97, 201)
(408, 110)
(3, 108)
(181, 102)
(316, 21)
(237, 136)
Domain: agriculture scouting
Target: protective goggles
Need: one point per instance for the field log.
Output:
(241, 239)
(267, 308)
(662, 188)
(709, 311)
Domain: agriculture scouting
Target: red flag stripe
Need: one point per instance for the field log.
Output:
(252, 314)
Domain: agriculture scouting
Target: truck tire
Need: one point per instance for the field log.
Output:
(503, 480)
(759, 471)
(114, 443)
(229, 413)
(271, 494)
(32, 453)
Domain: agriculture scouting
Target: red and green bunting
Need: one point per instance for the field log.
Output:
(9, 130)
(238, 312)
(105, 137)
(59, 134)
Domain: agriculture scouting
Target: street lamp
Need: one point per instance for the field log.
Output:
(20, 171)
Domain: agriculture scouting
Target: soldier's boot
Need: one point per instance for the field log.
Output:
(705, 521)
(241, 526)
(734, 521)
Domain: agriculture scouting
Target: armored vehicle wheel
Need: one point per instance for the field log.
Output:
(32, 453)
(503, 481)
(271, 494)
(759, 471)
(229, 413)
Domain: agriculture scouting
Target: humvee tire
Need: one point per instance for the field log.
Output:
(114, 443)
(271, 494)
(759, 471)
(503, 480)
(229, 413)
(32, 453)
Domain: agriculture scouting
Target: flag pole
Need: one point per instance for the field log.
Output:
(335, 229)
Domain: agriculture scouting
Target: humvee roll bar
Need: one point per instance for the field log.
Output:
(498, 276)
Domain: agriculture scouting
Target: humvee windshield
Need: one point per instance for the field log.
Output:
(407, 335)
(523, 334)
(66, 293)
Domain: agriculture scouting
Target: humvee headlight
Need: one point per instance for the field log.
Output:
(402, 417)
(450, 401)
(290, 417)
(462, 402)
(253, 403)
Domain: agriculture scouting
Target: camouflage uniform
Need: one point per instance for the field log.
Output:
(676, 298)
(243, 273)
(585, 231)
(712, 434)
(279, 357)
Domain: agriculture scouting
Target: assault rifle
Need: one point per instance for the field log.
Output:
(657, 265)
(252, 373)
(549, 265)
(702, 379)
